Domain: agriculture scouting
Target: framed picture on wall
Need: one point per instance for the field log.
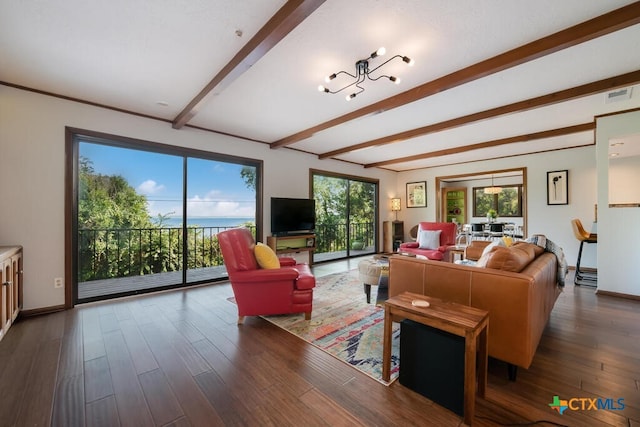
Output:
(417, 194)
(558, 187)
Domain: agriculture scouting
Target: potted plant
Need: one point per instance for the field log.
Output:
(492, 214)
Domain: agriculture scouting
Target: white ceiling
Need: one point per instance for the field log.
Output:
(153, 58)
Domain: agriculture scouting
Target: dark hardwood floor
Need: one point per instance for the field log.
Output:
(178, 359)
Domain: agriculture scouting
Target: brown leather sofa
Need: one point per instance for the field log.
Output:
(519, 303)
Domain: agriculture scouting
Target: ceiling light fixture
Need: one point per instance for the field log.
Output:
(493, 189)
(363, 72)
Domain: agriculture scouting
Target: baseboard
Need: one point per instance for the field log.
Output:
(618, 295)
(41, 311)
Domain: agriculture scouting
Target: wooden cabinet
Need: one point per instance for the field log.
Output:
(454, 205)
(392, 235)
(294, 246)
(11, 286)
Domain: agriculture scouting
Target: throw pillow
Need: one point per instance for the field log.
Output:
(508, 240)
(266, 257)
(429, 239)
(484, 259)
(490, 246)
(530, 247)
(513, 259)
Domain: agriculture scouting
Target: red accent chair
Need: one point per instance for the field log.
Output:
(447, 239)
(288, 289)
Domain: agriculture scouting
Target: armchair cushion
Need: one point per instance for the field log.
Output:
(266, 257)
(429, 239)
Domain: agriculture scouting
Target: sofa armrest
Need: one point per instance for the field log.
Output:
(475, 248)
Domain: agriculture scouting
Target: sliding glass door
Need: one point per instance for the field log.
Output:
(346, 216)
(147, 218)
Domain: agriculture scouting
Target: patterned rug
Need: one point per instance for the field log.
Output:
(344, 325)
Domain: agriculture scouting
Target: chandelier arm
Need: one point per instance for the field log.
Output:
(345, 72)
(345, 87)
(377, 78)
(385, 62)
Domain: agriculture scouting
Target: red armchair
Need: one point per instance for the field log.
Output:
(448, 232)
(258, 291)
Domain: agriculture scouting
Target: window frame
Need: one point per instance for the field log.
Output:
(478, 212)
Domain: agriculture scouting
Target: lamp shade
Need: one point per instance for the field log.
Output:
(492, 190)
(395, 204)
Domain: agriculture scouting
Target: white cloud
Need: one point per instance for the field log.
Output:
(215, 207)
(150, 187)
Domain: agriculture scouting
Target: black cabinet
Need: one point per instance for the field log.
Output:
(432, 364)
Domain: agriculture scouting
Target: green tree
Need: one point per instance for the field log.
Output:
(248, 174)
(108, 201)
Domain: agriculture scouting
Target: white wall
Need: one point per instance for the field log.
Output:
(618, 228)
(554, 221)
(32, 159)
(624, 174)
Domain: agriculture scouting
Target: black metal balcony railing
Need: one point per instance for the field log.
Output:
(116, 253)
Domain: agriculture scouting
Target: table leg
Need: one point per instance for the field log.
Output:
(469, 378)
(482, 362)
(386, 348)
(367, 292)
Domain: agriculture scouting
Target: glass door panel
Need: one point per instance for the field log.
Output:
(330, 194)
(125, 242)
(219, 196)
(345, 217)
(362, 214)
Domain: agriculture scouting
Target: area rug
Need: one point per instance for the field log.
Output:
(344, 325)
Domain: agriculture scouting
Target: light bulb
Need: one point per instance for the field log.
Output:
(329, 78)
(408, 60)
(381, 51)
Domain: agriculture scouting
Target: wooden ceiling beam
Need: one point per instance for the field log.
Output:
(604, 24)
(279, 26)
(487, 144)
(528, 104)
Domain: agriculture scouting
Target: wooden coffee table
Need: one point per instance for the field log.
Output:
(468, 322)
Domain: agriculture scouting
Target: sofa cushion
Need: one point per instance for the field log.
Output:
(537, 250)
(266, 257)
(429, 239)
(513, 259)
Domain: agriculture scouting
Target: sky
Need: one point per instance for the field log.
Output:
(215, 189)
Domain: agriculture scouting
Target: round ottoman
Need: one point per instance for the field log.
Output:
(374, 272)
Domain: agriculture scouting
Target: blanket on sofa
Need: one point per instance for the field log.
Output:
(549, 246)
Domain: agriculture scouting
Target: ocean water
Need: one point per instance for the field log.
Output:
(208, 221)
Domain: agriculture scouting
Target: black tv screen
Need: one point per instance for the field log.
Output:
(292, 216)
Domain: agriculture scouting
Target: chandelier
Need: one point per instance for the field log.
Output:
(493, 189)
(363, 73)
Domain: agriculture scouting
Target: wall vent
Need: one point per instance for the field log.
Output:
(618, 95)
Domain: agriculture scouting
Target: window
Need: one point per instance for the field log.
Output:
(508, 203)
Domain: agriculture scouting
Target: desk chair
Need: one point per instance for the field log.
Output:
(584, 278)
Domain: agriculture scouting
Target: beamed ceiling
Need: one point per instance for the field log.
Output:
(491, 79)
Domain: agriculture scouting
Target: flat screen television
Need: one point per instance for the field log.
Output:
(292, 216)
